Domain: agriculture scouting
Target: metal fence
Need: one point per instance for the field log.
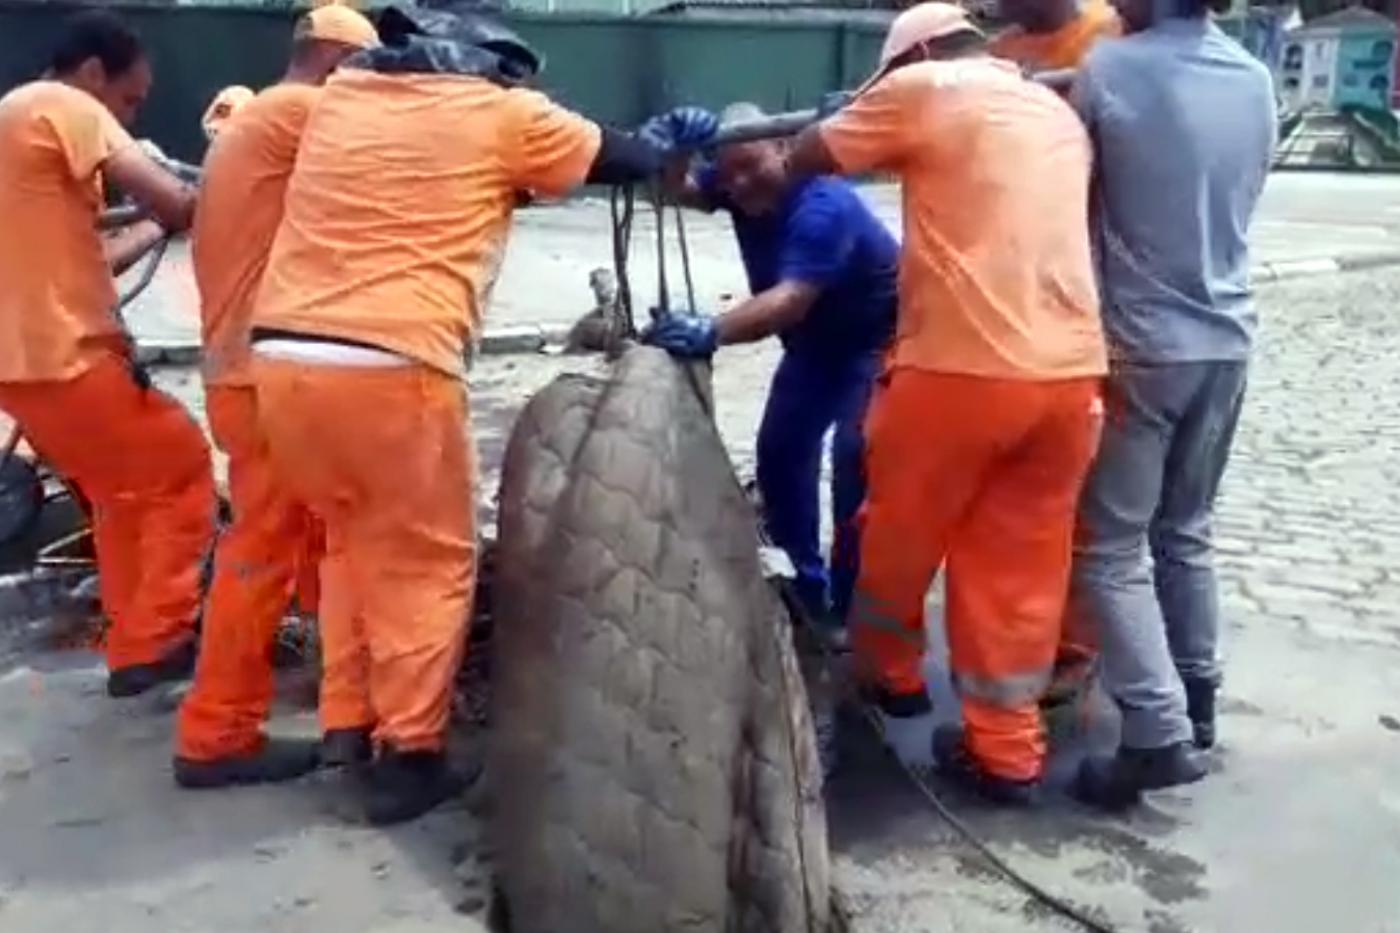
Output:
(615, 69)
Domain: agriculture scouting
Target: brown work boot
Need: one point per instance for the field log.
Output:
(277, 760)
(136, 679)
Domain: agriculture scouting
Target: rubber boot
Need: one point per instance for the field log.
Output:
(906, 726)
(1200, 708)
(346, 748)
(136, 679)
(955, 761)
(277, 760)
(402, 786)
(1116, 782)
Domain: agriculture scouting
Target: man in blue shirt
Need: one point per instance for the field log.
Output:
(821, 270)
(1183, 124)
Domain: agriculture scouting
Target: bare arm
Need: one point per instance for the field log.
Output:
(169, 200)
(126, 247)
(809, 156)
(767, 313)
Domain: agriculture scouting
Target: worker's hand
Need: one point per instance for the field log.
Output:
(688, 336)
(680, 129)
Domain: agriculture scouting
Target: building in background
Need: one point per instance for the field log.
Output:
(1344, 59)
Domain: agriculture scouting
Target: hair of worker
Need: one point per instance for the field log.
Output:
(98, 34)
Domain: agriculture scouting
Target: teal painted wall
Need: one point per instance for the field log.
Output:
(1365, 70)
(616, 70)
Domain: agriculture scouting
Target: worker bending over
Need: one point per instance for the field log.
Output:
(67, 373)
(1183, 121)
(1048, 35)
(979, 442)
(273, 539)
(822, 271)
(395, 220)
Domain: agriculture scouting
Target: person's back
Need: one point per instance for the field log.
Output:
(240, 208)
(995, 175)
(1183, 121)
(397, 212)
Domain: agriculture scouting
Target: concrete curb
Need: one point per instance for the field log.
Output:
(1292, 269)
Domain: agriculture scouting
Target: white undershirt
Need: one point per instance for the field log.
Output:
(328, 353)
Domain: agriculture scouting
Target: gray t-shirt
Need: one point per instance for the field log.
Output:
(1183, 125)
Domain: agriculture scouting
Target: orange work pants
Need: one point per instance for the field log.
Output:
(141, 461)
(262, 559)
(381, 455)
(983, 474)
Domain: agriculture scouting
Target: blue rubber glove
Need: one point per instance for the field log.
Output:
(680, 128)
(688, 336)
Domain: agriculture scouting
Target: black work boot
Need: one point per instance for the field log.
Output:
(402, 786)
(345, 748)
(136, 679)
(1116, 782)
(955, 761)
(1200, 709)
(906, 724)
(277, 760)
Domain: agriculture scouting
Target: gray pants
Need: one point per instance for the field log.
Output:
(1144, 562)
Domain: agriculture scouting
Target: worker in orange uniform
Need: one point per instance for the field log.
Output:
(67, 374)
(273, 538)
(396, 216)
(980, 438)
(1048, 35)
(221, 109)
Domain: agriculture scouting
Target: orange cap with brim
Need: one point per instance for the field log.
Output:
(224, 105)
(917, 25)
(335, 22)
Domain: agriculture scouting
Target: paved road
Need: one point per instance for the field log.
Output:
(552, 250)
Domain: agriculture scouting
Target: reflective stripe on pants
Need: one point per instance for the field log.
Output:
(981, 474)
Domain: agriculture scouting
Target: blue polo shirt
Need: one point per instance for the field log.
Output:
(822, 234)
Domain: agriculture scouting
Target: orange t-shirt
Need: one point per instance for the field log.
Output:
(995, 275)
(1065, 47)
(398, 209)
(240, 207)
(56, 291)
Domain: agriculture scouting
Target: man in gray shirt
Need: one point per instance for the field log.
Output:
(1183, 124)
